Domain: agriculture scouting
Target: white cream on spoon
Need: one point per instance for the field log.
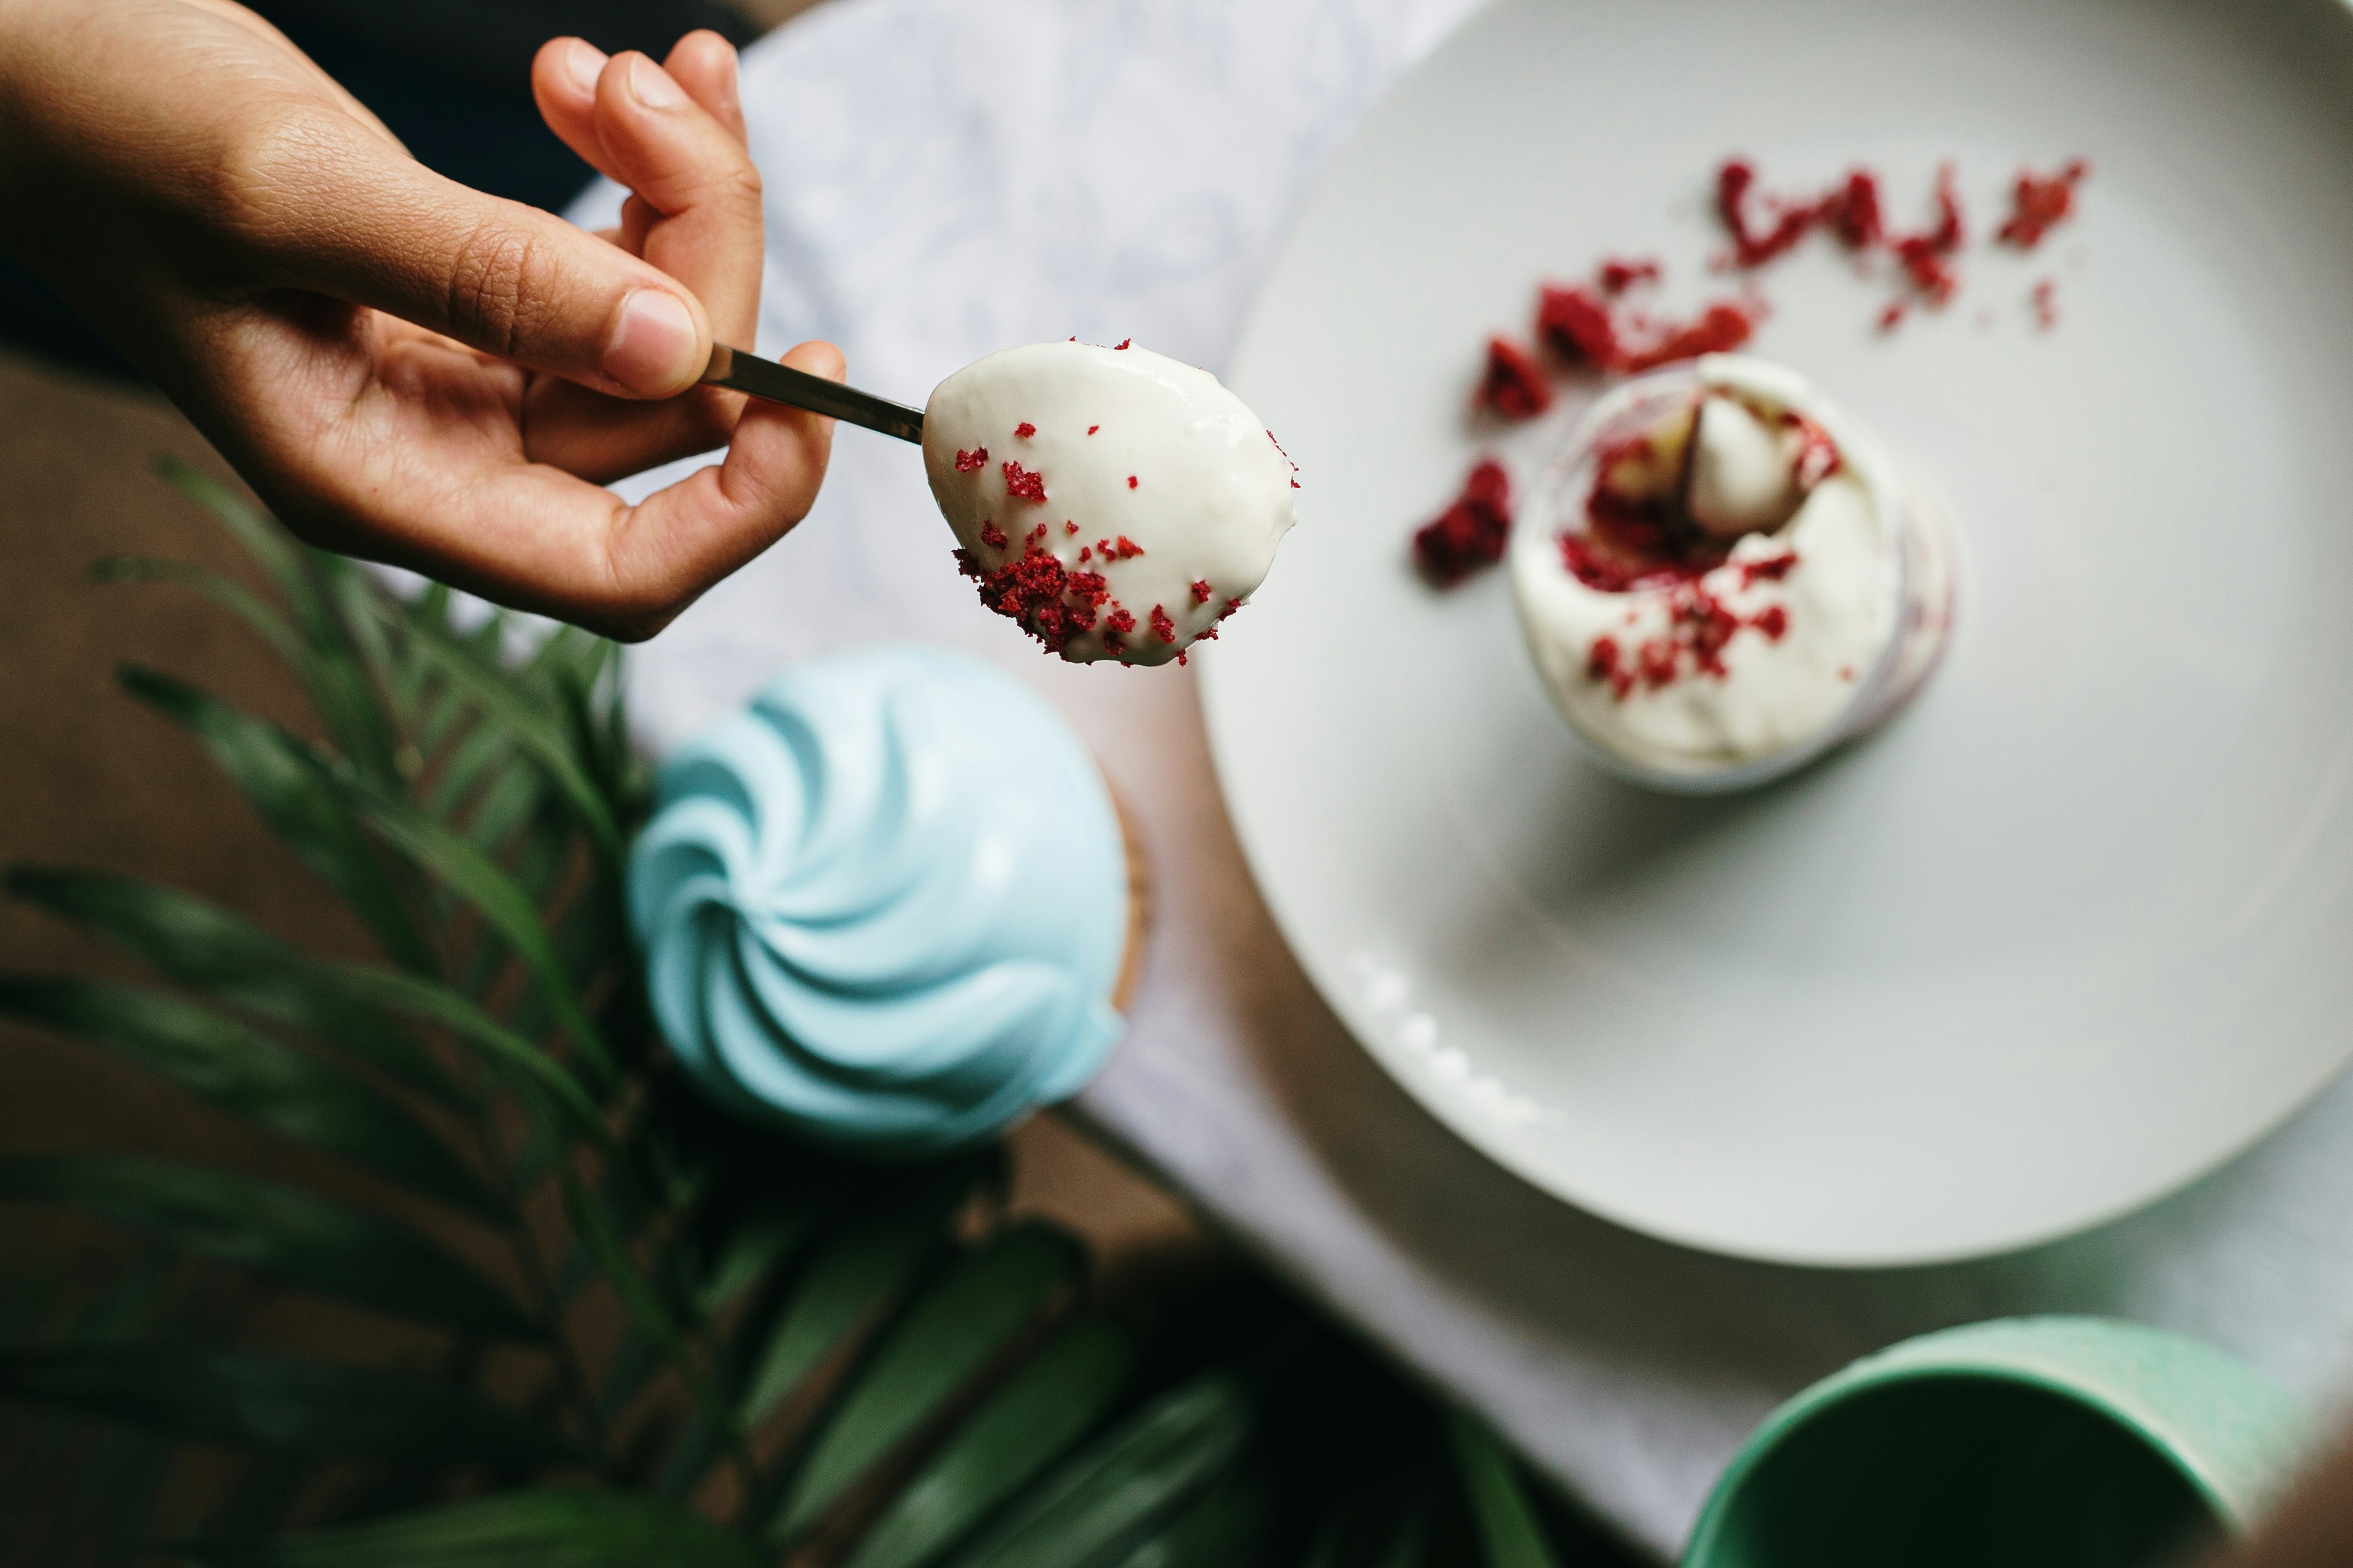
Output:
(1115, 502)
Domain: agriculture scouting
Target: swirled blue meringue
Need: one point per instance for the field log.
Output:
(886, 904)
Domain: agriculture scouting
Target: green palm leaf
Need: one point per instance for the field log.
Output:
(1054, 1399)
(944, 1338)
(532, 732)
(1507, 1521)
(518, 1529)
(257, 1078)
(848, 1278)
(1119, 1487)
(286, 782)
(331, 676)
(203, 946)
(291, 1235)
(250, 1400)
(463, 869)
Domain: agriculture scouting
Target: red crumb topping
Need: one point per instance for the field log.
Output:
(1468, 534)
(1231, 606)
(1121, 621)
(1580, 324)
(992, 536)
(1699, 628)
(1602, 663)
(2039, 203)
(1050, 602)
(1086, 553)
(1162, 626)
(1770, 569)
(1200, 590)
(1130, 481)
(1123, 343)
(1025, 430)
(1125, 549)
(972, 462)
(2046, 303)
(1512, 385)
(1068, 527)
(1848, 209)
(1022, 484)
(1723, 327)
(1093, 428)
(1618, 275)
(1180, 658)
(1893, 316)
(1576, 322)
(1925, 255)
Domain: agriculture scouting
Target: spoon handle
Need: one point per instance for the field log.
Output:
(741, 372)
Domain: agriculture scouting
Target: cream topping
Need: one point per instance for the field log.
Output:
(1117, 503)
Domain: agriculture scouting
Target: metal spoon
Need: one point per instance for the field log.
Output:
(741, 372)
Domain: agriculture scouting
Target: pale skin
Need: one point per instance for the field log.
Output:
(405, 369)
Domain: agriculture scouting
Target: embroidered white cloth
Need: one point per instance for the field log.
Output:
(949, 177)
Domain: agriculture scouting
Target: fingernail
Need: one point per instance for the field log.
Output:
(583, 62)
(651, 86)
(653, 345)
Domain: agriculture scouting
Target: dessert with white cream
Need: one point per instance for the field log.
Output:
(1116, 503)
(1723, 575)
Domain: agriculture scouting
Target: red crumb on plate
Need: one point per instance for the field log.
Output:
(1512, 385)
(2046, 303)
(1469, 534)
(2040, 202)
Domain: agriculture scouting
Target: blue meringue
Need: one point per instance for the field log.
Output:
(886, 905)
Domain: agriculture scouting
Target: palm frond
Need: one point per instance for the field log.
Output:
(819, 1363)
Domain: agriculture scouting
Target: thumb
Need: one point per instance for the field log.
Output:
(367, 224)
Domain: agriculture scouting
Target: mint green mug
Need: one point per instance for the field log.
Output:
(2087, 1442)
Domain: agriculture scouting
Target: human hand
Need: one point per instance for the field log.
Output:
(403, 368)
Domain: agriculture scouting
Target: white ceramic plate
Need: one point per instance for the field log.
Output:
(2079, 925)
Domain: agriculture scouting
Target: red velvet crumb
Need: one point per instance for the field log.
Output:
(1512, 385)
(1468, 534)
(1130, 481)
(2039, 203)
(1162, 626)
(1125, 549)
(1093, 428)
(1773, 621)
(1848, 209)
(1200, 590)
(1123, 343)
(2046, 303)
(1068, 527)
(1025, 430)
(1723, 327)
(992, 536)
(1022, 484)
(1770, 569)
(1618, 275)
(1052, 603)
(973, 461)
(1577, 323)
(1121, 621)
(1924, 255)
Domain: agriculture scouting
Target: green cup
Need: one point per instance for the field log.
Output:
(2085, 1442)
